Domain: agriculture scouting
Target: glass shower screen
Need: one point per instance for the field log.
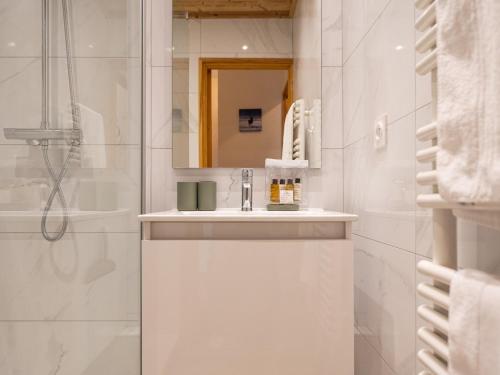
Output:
(70, 186)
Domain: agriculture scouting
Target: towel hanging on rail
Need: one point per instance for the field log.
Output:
(474, 336)
(468, 161)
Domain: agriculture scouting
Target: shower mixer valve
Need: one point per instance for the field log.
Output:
(37, 137)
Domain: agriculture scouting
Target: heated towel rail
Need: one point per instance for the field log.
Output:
(441, 270)
(434, 336)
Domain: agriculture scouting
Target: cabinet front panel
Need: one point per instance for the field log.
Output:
(254, 307)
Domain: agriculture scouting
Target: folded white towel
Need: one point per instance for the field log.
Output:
(469, 100)
(474, 337)
(294, 164)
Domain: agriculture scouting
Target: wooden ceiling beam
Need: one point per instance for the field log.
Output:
(234, 8)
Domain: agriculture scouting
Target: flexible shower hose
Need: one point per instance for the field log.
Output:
(56, 190)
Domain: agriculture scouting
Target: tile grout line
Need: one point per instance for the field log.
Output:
(376, 351)
(384, 243)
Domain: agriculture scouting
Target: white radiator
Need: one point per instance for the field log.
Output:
(443, 267)
(435, 334)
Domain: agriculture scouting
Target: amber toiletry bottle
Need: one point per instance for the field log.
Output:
(275, 191)
(297, 191)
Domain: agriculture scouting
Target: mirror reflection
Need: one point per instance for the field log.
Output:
(246, 82)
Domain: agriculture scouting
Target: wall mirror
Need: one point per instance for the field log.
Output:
(246, 82)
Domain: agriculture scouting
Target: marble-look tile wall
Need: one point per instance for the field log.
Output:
(71, 307)
(392, 233)
(325, 185)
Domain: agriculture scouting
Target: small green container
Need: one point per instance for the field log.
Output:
(207, 196)
(187, 196)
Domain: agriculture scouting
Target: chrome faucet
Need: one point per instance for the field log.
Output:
(246, 189)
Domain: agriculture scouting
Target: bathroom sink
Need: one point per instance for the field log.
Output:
(234, 215)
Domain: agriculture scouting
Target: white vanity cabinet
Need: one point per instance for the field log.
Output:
(231, 293)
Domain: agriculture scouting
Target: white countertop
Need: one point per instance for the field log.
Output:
(257, 215)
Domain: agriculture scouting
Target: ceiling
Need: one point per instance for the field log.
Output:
(234, 8)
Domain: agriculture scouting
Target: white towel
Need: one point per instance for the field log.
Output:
(474, 337)
(293, 164)
(469, 100)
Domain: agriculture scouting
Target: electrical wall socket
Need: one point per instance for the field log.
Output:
(380, 133)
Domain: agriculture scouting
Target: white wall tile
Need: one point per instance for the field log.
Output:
(100, 28)
(82, 277)
(262, 36)
(20, 23)
(379, 78)
(20, 94)
(161, 107)
(331, 24)
(97, 31)
(186, 39)
(161, 32)
(162, 184)
(358, 18)
(385, 302)
(332, 108)
(325, 184)
(69, 348)
(379, 186)
(109, 91)
(366, 359)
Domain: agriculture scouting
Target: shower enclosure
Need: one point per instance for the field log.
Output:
(70, 186)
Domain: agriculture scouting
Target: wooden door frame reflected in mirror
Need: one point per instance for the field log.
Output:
(207, 65)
